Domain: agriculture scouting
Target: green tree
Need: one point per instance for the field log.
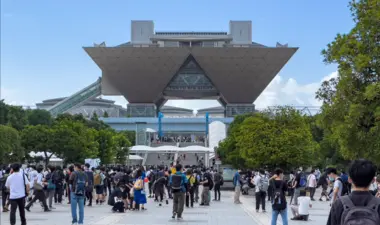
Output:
(39, 117)
(3, 113)
(38, 139)
(107, 149)
(105, 114)
(130, 135)
(276, 138)
(351, 108)
(17, 117)
(122, 145)
(227, 150)
(73, 141)
(10, 145)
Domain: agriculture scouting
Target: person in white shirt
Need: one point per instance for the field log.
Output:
(39, 194)
(18, 186)
(312, 184)
(261, 182)
(301, 211)
(373, 186)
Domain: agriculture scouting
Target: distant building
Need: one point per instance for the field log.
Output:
(97, 105)
(100, 106)
(216, 112)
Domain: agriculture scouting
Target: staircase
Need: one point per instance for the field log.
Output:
(90, 92)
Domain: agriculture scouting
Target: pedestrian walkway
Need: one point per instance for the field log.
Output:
(318, 213)
(219, 213)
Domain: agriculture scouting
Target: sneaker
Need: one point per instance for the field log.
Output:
(167, 202)
(173, 217)
(179, 218)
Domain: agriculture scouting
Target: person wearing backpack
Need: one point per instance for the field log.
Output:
(218, 179)
(360, 207)
(38, 193)
(90, 185)
(339, 188)
(262, 183)
(299, 185)
(208, 184)
(279, 204)
(99, 186)
(51, 186)
(178, 183)
(78, 181)
(190, 188)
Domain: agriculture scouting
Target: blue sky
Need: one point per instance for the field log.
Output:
(41, 41)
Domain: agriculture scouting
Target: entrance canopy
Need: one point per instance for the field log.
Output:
(162, 149)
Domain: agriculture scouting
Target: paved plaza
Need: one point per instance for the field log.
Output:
(219, 213)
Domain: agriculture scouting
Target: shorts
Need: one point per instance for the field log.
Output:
(99, 189)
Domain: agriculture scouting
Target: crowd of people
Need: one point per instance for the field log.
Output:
(358, 191)
(121, 187)
(353, 197)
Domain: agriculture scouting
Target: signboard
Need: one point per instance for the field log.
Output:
(94, 163)
(228, 174)
(218, 162)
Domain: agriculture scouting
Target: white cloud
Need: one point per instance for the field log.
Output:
(289, 92)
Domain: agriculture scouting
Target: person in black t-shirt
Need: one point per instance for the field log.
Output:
(116, 199)
(279, 205)
(361, 173)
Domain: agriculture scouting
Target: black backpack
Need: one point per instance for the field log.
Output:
(80, 184)
(210, 182)
(344, 187)
(278, 200)
(176, 181)
(3, 180)
(353, 215)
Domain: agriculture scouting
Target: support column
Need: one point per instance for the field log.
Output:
(207, 159)
(141, 134)
(239, 109)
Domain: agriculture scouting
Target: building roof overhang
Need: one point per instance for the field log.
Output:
(141, 74)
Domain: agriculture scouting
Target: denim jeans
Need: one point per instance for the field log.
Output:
(77, 201)
(284, 216)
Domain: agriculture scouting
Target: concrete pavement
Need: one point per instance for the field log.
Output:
(219, 213)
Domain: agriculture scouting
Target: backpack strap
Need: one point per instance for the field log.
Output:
(347, 202)
(374, 203)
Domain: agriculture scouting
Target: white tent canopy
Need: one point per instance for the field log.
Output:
(135, 157)
(168, 148)
(53, 157)
(150, 130)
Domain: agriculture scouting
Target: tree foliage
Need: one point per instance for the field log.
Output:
(70, 137)
(351, 109)
(106, 150)
(121, 148)
(38, 138)
(10, 145)
(280, 137)
(39, 117)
